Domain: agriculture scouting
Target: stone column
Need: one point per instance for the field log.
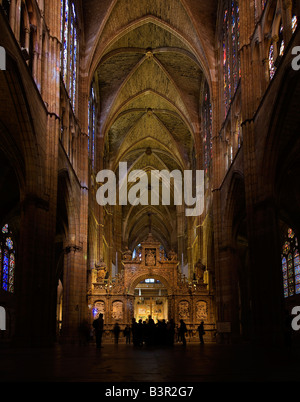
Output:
(35, 279)
(266, 275)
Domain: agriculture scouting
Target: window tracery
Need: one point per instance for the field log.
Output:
(230, 46)
(207, 129)
(294, 21)
(290, 264)
(277, 45)
(7, 259)
(92, 125)
(69, 54)
(272, 68)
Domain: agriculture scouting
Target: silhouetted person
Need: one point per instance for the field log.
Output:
(98, 325)
(127, 332)
(170, 332)
(151, 330)
(134, 328)
(145, 332)
(117, 331)
(140, 333)
(182, 332)
(201, 332)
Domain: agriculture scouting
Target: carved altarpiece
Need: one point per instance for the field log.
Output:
(190, 301)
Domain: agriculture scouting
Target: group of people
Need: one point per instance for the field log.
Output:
(147, 332)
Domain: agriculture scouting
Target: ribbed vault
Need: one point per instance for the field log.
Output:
(149, 65)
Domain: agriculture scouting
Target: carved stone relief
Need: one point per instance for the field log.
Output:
(117, 310)
(184, 310)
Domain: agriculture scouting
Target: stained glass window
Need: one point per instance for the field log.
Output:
(290, 264)
(294, 23)
(272, 68)
(207, 129)
(69, 53)
(263, 4)
(92, 125)
(276, 50)
(231, 59)
(294, 16)
(7, 260)
(281, 41)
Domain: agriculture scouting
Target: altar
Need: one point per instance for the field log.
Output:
(150, 283)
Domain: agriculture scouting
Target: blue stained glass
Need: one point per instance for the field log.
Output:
(75, 67)
(70, 49)
(71, 57)
(9, 243)
(284, 263)
(66, 42)
(7, 261)
(5, 271)
(231, 60)
(61, 19)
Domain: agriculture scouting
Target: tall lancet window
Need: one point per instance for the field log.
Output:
(290, 265)
(69, 53)
(7, 259)
(276, 50)
(294, 17)
(92, 117)
(230, 48)
(207, 129)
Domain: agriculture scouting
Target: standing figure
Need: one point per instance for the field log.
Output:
(182, 332)
(201, 332)
(127, 333)
(117, 330)
(98, 325)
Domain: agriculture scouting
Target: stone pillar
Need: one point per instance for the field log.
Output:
(74, 293)
(266, 276)
(35, 279)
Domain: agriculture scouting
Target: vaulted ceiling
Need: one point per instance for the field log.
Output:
(150, 60)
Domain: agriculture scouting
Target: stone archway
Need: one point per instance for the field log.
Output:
(151, 299)
(142, 277)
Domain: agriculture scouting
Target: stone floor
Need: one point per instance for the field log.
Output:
(124, 363)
